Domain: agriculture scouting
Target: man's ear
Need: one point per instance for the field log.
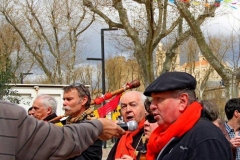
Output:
(183, 101)
(84, 100)
(236, 113)
(49, 110)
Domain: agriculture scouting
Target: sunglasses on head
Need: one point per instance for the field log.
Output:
(150, 118)
(83, 88)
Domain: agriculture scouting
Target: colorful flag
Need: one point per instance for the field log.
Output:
(109, 107)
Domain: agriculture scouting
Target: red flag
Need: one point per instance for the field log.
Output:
(110, 106)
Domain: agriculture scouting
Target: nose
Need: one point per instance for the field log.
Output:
(146, 123)
(64, 103)
(33, 111)
(153, 107)
(128, 108)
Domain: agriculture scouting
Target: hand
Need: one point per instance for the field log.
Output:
(127, 157)
(235, 141)
(110, 129)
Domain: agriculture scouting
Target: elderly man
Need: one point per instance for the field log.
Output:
(132, 108)
(44, 107)
(76, 102)
(24, 137)
(183, 131)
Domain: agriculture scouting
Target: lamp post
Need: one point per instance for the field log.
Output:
(21, 76)
(103, 64)
(103, 57)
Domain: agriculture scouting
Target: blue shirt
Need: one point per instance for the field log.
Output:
(231, 134)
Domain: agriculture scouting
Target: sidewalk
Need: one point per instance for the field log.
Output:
(109, 145)
(105, 152)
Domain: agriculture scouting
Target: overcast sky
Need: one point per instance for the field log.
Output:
(227, 22)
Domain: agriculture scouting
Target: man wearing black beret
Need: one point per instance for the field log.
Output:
(184, 132)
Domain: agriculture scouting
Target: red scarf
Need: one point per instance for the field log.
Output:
(184, 123)
(125, 143)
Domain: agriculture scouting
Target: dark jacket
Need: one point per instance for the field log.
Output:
(93, 152)
(204, 141)
(136, 139)
(50, 117)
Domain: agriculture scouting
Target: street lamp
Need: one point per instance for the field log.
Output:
(103, 63)
(103, 57)
(21, 76)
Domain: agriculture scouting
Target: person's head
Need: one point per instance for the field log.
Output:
(172, 93)
(232, 108)
(149, 125)
(30, 111)
(43, 106)
(210, 109)
(147, 104)
(76, 99)
(132, 106)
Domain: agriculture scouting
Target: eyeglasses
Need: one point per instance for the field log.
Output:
(82, 87)
(150, 118)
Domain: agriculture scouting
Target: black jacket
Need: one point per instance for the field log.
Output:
(204, 141)
(50, 117)
(136, 139)
(93, 152)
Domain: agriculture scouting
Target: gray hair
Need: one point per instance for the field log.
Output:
(210, 109)
(141, 95)
(48, 101)
(82, 91)
(191, 94)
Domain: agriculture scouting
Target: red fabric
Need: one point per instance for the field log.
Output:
(125, 143)
(110, 106)
(185, 122)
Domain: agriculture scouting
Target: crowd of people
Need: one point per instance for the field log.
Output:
(172, 125)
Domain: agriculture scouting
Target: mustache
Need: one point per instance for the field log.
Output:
(66, 108)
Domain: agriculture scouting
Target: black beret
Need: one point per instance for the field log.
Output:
(170, 81)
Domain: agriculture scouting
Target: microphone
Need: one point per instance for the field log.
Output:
(129, 126)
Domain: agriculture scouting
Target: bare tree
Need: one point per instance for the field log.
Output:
(120, 70)
(9, 43)
(146, 23)
(161, 58)
(145, 29)
(115, 68)
(229, 76)
(12, 53)
(50, 30)
(199, 67)
(89, 75)
(201, 12)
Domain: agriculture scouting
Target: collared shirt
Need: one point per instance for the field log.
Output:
(231, 134)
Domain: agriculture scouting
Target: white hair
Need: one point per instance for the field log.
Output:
(48, 101)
